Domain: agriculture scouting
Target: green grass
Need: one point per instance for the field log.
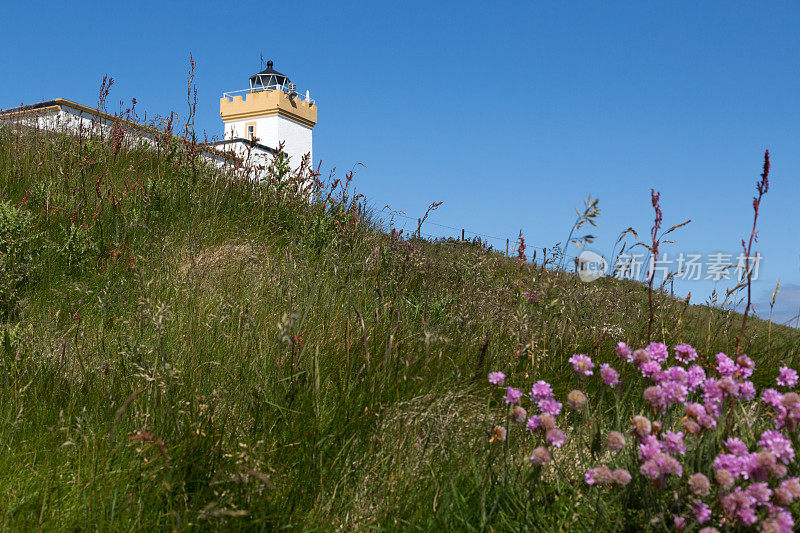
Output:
(188, 351)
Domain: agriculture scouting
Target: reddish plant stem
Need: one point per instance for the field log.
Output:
(762, 187)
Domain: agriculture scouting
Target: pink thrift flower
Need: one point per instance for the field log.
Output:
(745, 367)
(555, 437)
(518, 414)
(609, 375)
(725, 365)
(582, 364)
(550, 406)
(778, 444)
(513, 395)
(736, 446)
(673, 443)
(497, 378)
(621, 476)
(658, 352)
(541, 390)
(685, 353)
(616, 441)
(747, 391)
(533, 424)
(702, 512)
(699, 484)
(540, 456)
(624, 351)
(695, 377)
(787, 377)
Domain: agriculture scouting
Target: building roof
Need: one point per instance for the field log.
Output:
(31, 107)
(58, 104)
(269, 77)
(242, 140)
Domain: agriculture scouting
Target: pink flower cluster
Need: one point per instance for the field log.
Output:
(747, 485)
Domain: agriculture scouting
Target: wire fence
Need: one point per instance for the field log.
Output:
(497, 243)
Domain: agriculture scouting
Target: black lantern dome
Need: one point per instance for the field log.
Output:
(269, 78)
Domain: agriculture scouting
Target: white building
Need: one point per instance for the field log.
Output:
(256, 121)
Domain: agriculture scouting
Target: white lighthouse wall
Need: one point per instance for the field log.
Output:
(273, 130)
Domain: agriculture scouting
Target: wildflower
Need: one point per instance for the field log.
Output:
(744, 367)
(576, 399)
(779, 521)
(674, 392)
(661, 465)
(650, 369)
(641, 357)
(555, 437)
(550, 406)
(609, 375)
(771, 397)
(621, 476)
(712, 390)
(679, 522)
(699, 484)
(673, 442)
(786, 377)
(778, 444)
(747, 391)
(788, 491)
(547, 421)
(736, 446)
(793, 486)
(760, 492)
(540, 456)
(655, 397)
(695, 377)
(762, 465)
(702, 513)
(649, 448)
(725, 365)
(658, 352)
(582, 364)
(498, 434)
(600, 475)
(541, 390)
(512, 395)
(739, 505)
(677, 374)
(706, 421)
(496, 378)
(724, 479)
(624, 351)
(709, 529)
(533, 424)
(691, 427)
(685, 353)
(694, 409)
(615, 441)
(518, 414)
(641, 426)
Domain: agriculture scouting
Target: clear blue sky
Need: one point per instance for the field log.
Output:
(509, 113)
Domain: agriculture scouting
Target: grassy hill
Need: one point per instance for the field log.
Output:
(183, 350)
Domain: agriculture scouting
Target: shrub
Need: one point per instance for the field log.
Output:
(17, 255)
(78, 248)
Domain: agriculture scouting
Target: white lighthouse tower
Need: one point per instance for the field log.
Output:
(270, 112)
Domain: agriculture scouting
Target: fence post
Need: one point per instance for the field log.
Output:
(462, 234)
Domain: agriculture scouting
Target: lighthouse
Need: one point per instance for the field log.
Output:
(269, 112)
